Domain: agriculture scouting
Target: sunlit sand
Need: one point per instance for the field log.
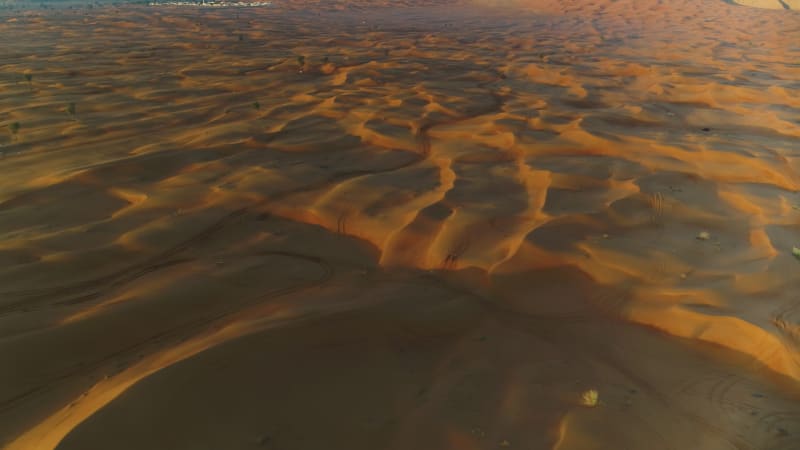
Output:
(566, 225)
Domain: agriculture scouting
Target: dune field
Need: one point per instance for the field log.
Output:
(528, 224)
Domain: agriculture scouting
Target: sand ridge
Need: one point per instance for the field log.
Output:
(401, 226)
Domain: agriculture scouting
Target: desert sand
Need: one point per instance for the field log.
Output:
(539, 224)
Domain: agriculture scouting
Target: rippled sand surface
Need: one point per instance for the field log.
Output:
(541, 225)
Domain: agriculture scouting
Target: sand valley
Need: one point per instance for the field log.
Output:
(539, 225)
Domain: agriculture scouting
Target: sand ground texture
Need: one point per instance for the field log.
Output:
(443, 230)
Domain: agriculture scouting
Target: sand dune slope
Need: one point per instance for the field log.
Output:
(560, 225)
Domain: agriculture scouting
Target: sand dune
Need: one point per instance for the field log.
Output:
(770, 4)
(414, 225)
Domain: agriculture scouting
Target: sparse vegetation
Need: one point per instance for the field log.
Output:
(590, 398)
(256, 105)
(14, 128)
(71, 109)
(325, 60)
(301, 61)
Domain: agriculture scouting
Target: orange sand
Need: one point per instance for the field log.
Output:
(441, 232)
